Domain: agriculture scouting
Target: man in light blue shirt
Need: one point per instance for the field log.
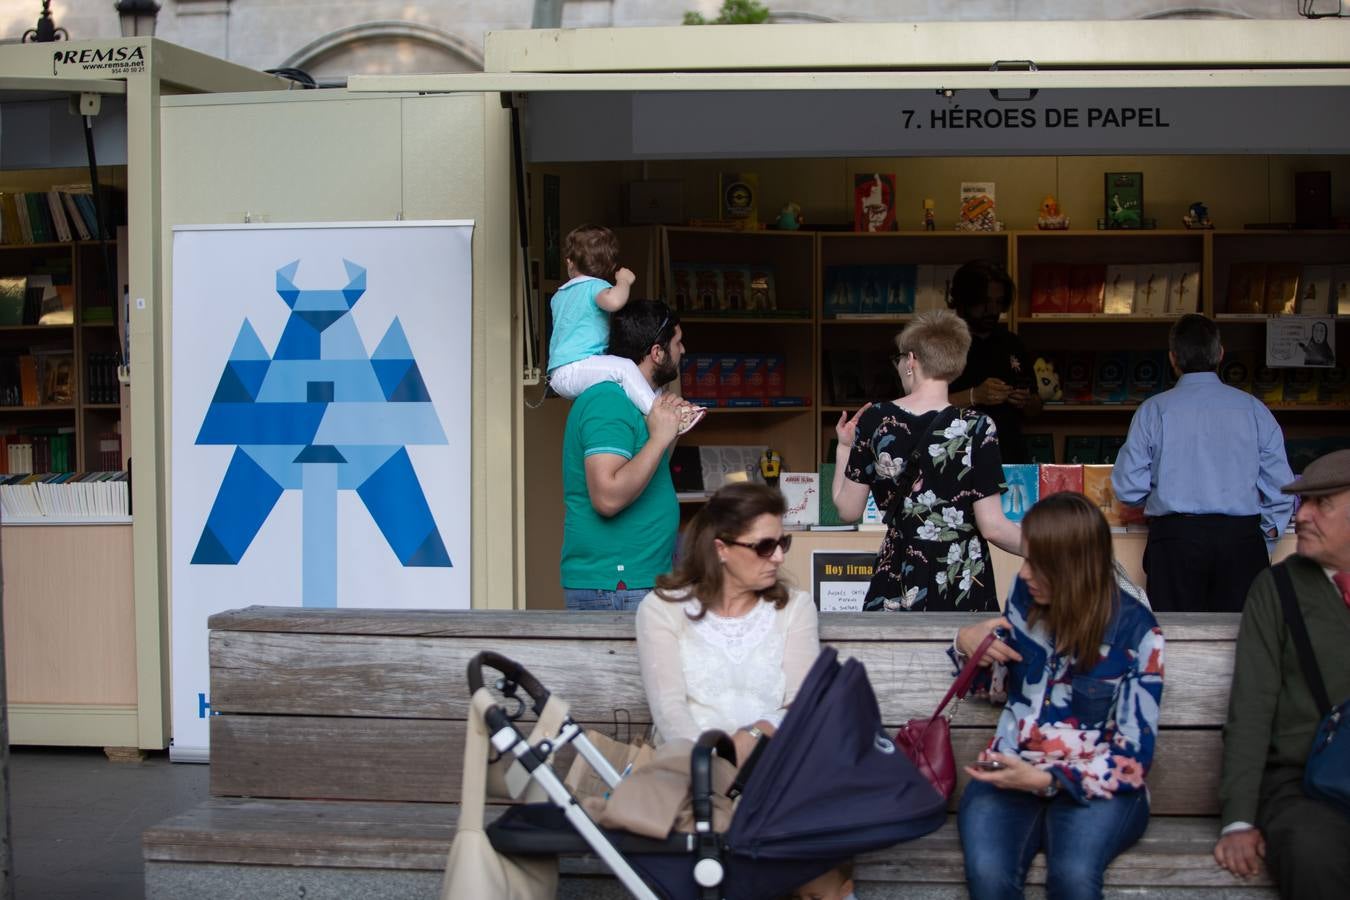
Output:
(1207, 462)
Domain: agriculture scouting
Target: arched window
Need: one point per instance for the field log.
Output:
(385, 48)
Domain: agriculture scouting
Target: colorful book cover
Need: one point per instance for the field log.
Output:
(829, 513)
(1111, 444)
(752, 375)
(977, 207)
(1246, 288)
(687, 376)
(1268, 384)
(705, 375)
(1118, 292)
(1077, 377)
(1146, 378)
(1183, 291)
(1300, 387)
(1097, 488)
(1082, 449)
(841, 294)
(730, 371)
(874, 201)
(1332, 386)
(1314, 291)
(1151, 282)
(735, 289)
(1281, 298)
(1023, 488)
(928, 293)
(1236, 370)
(1059, 477)
(1086, 286)
(1110, 377)
(1049, 289)
(775, 378)
(1040, 447)
(739, 199)
(801, 494)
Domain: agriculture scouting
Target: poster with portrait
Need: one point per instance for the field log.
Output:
(1301, 341)
(874, 201)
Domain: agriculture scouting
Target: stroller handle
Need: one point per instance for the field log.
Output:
(514, 674)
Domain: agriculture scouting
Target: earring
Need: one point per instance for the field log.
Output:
(909, 372)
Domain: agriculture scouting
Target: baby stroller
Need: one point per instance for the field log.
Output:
(830, 785)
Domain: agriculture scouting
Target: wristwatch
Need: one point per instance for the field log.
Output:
(1050, 789)
(754, 732)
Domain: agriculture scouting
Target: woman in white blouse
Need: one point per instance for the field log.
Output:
(722, 642)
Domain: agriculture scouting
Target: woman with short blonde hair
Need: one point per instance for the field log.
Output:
(936, 473)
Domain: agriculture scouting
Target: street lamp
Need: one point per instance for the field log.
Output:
(137, 17)
(46, 31)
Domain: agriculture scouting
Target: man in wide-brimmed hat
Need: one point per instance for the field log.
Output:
(1272, 714)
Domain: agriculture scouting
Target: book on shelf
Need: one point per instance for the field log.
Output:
(56, 370)
(1118, 291)
(1268, 384)
(13, 296)
(29, 382)
(775, 375)
(730, 370)
(1281, 294)
(1246, 288)
(1314, 291)
(1110, 377)
(828, 516)
(1332, 387)
(1049, 289)
(1040, 447)
(1236, 369)
(1146, 377)
(801, 496)
(1300, 387)
(1082, 449)
(735, 289)
(65, 496)
(763, 291)
(682, 287)
(1151, 285)
(707, 289)
(1022, 488)
(1077, 376)
(1087, 284)
(1060, 477)
(1183, 289)
(1097, 488)
(724, 463)
(932, 287)
(872, 515)
(1340, 288)
(686, 469)
(1111, 444)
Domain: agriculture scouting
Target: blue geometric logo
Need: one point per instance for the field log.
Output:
(321, 415)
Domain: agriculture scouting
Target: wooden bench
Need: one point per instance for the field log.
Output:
(335, 756)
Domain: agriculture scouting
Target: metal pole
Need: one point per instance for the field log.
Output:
(547, 14)
(6, 853)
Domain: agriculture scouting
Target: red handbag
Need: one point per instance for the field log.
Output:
(928, 742)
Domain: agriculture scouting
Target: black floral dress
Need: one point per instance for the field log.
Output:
(932, 557)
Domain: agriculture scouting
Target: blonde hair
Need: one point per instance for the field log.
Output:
(940, 341)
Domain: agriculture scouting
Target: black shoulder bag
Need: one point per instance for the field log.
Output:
(911, 471)
(1326, 774)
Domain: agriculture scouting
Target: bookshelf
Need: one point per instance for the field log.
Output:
(816, 346)
(60, 400)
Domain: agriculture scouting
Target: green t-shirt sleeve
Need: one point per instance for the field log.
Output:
(608, 424)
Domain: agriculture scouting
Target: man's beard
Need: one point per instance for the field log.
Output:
(664, 373)
(984, 325)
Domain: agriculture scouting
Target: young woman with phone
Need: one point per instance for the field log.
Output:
(1081, 663)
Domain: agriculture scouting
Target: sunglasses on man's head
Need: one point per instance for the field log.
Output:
(765, 546)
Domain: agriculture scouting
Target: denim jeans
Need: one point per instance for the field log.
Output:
(626, 600)
(1001, 831)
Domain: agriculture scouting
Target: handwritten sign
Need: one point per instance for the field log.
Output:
(839, 580)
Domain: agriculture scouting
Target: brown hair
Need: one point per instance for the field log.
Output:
(593, 250)
(728, 513)
(939, 340)
(1068, 545)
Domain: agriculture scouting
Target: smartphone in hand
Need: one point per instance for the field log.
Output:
(989, 765)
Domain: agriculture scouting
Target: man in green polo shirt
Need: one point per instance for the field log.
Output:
(621, 514)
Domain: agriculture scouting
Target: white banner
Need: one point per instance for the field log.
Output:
(320, 383)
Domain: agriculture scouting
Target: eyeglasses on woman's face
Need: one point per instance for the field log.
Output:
(764, 547)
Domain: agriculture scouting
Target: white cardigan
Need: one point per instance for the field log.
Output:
(720, 672)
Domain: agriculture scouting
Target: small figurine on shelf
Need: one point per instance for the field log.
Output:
(1051, 218)
(928, 223)
(1197, 216)
(790, 217)
(770, 466)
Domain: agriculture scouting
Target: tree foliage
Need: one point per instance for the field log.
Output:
(733, 12)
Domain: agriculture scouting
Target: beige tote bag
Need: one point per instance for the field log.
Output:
(474, 869)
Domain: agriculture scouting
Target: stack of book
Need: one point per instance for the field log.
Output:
(43, 217)
(1285, 387)
(1143, 289)
(708, 289)
(67, 495)
(736, 380)
(1288, 288)
(1025, 485)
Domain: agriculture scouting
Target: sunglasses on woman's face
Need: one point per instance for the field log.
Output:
(765, 546)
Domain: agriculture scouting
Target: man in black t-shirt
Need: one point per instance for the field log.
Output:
(998, 378)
